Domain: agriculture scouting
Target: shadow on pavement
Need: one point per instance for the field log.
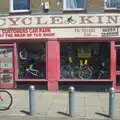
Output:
(62, 113)
(102, 114)
(25, 112)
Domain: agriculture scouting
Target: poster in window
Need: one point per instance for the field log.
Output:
(6, 58)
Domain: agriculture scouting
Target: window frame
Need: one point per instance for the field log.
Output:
(76, 9)
(110, 8)
(15, 11)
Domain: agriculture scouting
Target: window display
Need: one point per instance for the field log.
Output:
(85, 60)
(31, 60)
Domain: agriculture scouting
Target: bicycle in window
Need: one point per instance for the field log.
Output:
(65, 70)
(83, 70)
(77, 71)
(30, 71)
(87, 72)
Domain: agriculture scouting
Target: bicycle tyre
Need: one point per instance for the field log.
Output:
(83, 74)
(74, 74)
(65, 69)
(11, 99)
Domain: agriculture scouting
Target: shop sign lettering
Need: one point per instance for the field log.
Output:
(26, 32)
(108, 32)
(59, 20)
(86, 31)
(38, 33)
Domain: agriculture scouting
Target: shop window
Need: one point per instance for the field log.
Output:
(31, 60)
(20, 5)
(118, 80)
(117, 43)
(85, 60)
(112, 4)
(74, 4)
(118, 59)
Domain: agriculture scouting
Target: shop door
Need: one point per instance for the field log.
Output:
(6, 66)
(118, 68)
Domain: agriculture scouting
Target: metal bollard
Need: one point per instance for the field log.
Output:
(71, 101)
(112, 103)
(32, 100)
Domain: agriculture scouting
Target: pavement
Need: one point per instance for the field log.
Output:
(54, 106)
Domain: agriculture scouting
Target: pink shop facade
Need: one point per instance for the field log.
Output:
(48, 51)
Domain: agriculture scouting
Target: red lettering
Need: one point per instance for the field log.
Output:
(1, 35)
(48, 34)
(37, 35)
(19, 35)
(33, 30)
(29, 34)
(44, 30)
(9, 35)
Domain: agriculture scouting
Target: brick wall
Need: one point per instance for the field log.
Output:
(4, 6)
(92, 5)
(37, 6)
(95, 5)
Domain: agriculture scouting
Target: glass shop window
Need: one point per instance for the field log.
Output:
(89, 60)
(31, 60)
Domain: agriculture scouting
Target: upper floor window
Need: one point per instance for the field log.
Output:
(112, 4)
(20, 5)
(74, 4)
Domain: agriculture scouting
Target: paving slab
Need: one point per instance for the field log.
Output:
(92, 102)
(54, 105)
(15, 118)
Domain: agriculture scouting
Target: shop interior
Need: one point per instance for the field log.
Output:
(85, 60)
(31, 60)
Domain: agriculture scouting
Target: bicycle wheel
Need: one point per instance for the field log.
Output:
(75, 72)
(6, 100)
(85, 72)
(23, 55)
(65, 72)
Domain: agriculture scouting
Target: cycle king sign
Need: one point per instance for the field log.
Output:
(63, 20)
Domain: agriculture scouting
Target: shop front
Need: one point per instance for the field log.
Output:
(60, 50)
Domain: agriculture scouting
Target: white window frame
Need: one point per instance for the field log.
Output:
(110, 8)
(71, 9)
(14, 11)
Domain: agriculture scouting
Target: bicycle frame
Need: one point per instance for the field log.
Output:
(31, 71)
(100, 69)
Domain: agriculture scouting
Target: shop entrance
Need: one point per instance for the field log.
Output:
(118, 68)
(6, 66)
